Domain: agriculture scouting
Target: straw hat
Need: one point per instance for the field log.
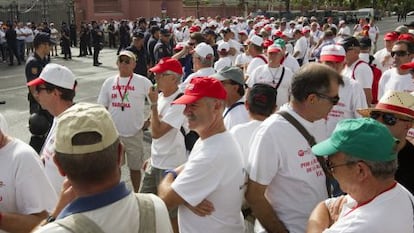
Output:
(401, 103)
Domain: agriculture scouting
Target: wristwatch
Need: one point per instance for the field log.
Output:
(50, 219)
(172, 171)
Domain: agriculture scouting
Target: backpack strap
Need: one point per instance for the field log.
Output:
(311, 142)
(280, 79)
(79, 223)
(146, 213)
(353, 70)
(231, 107)
(262, 57)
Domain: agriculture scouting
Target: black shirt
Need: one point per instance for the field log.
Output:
(405, 171)
(141, 67)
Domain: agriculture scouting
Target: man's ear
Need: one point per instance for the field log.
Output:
(61, 171)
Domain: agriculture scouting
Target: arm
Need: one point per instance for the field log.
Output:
(319, 219)
(255, 196)
(158, 128)
(13, 222)
(167, 194)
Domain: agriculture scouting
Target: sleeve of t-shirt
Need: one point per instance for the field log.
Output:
(104, 93)
(261, 167)
(32, 184)
(359, 98)
(381, 84)
(162, 219)
(364, 76)
(198, 179)
(252, 78)
(174, 116)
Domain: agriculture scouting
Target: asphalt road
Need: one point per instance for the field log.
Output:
(90, 79)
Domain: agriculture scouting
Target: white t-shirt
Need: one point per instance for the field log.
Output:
(271, 76)
(391, 80)
(291, 63)
(24, 187)
(203, 72)
(351, 98)
(120, 216)
(242, 59)
(372, 32)
(380, 60)
(48, 152)
(236, 115)
(281, 158)
(344, 31)
(362, 74)
(391, 211)
(131, 120)
(221, 63)
(302, 45)
(169, 150)
(254, 63)
(214, 172)
(243, 134)
(30, 35)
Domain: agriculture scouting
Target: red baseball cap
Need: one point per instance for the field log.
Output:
(391, 36)
(195, 28)
(267, 43)
(167, 63)
(200, 87)
(406, 36)
(274, 49)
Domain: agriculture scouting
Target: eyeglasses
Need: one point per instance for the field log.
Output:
(334, 100)
(388, 118)
(331, 166)
(39, 89)
(399, 53)
(125, 60)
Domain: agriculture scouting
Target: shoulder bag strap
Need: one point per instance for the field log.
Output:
(311, 142)
(281, 78)
(79, 223)
(353, 70)
(231, 107)
(146, 213)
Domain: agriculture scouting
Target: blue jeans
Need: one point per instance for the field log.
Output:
(20, 49)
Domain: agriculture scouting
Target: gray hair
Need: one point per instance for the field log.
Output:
(380, 169)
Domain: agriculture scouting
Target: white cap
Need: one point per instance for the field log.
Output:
(256, 40)
(223, 46)
(334, 53)
(57, 75)
(204, 50)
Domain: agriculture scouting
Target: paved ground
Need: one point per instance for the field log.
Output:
(90, 79)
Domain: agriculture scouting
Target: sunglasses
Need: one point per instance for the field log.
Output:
(388, 118)
(400, 53)
(334, 100)
(39, 89)
(125, 60)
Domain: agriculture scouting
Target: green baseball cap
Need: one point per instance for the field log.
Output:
(364, 138)
(280, 42)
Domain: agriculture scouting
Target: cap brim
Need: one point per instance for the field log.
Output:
(407, 66)
(333, 58)
(36, 82)
(218, 77)
(186, 99)
(157, 69)
(324, 148)
(274, 50)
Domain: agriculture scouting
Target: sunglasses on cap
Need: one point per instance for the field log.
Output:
(334, 100)
(124, 59)
(388, 118)
(400, 53)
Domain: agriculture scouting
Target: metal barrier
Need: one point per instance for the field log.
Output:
(56, 11)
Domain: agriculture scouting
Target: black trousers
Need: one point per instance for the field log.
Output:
(96, 51)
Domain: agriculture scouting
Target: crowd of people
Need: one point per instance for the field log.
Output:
(257, 125)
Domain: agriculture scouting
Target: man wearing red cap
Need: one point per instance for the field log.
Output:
(274, 74)
(208, 194)
(383, 59)
(124, 97)
(351, 95)
(397, 78)
(301, 48)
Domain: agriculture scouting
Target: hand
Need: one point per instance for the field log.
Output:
(336, 208)
(202, 209)
(385, 60)
(67, 195)
(153, 95)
